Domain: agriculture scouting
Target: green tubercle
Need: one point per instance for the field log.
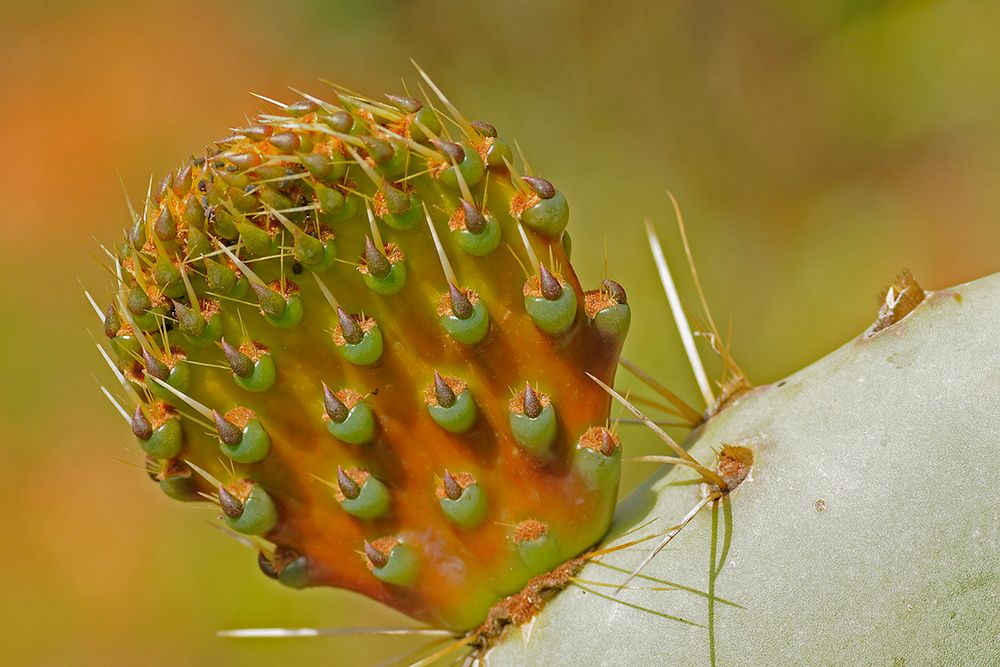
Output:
(280, 310)
(126, 347)
(168, 277)
(174, 479)
(392, 561)
(163, 438)
(597, 459)
(256, 240)
(462, 500)
(247, 508)
(211, 334)
(313, 253)
(357, 339)
(241, 436)
(338, 206)
(498, 151)
(536, 546)
(451, 405)
(482, 243)
(295, 573)
(389, 284)
(550, 302)
(348, 418)
(468, 162)
(464, 316)
(547, 212)
(384, 272)
(362, 495)
(609, 310)
(533, 421)
(177, 376)
(166, 441)
(399, 209)
(252, 365)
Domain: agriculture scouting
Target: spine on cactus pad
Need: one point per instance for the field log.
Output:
(354, 326)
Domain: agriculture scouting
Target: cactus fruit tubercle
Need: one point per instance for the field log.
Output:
(353, 329)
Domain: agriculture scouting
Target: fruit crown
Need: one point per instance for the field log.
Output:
(369, 311)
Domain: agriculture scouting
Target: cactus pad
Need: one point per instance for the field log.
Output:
(355, 327)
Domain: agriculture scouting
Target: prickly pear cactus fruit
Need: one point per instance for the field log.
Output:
(354, 326)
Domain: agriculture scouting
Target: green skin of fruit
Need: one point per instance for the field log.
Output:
(262, 378)
(472, 329)
(483, 243)
(252, 448)
(468, 510)
(553, 317)
(535, 435)
(372, 501)
(259, 514)
(402, 567)
(366, 351)
(459, 416)
(391, 283)
(472, 169)
(358, 428)
(167, 440)
(548, 216)
(290, 316)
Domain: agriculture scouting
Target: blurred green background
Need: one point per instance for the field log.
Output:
(816, 148)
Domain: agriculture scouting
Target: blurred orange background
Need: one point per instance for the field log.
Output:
(816, 149)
